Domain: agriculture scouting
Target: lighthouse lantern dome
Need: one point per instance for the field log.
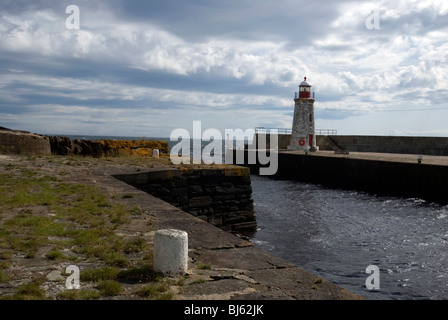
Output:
(304, 90)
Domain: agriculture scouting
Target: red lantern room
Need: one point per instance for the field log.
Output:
(304, 90)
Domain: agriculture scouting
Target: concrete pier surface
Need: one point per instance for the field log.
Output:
(393, 157)
(221, 265)
(238, 269)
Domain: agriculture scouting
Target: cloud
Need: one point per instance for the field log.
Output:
(147, 62)
(199, 21)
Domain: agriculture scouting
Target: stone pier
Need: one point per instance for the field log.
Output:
(222, 197)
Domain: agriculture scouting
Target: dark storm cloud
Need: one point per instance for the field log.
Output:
(297, 22)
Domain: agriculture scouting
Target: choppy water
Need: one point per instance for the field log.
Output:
(336, 234)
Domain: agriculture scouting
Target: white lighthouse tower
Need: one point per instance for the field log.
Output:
(303, 136)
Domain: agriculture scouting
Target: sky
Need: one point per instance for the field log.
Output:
(145, 68)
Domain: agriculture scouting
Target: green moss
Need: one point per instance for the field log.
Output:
(156, 292)
(104, 273)
(5, 264)
(30, 291)
(198, 281)
(43, 211)
(140, 274)
(3, 277)
(134, 245)
(135, 210)
(204, 266)
(116, 260)
(55, 255)
(78, 203)
(26, 233)
(99, 243)
(110, 288)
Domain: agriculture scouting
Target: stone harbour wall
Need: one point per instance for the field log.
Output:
(27, 143)
(222, 197)
(23, 142)
(437, 146)
(390, 178)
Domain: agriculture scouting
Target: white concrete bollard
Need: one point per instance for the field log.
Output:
(170, 251)
(155, 153)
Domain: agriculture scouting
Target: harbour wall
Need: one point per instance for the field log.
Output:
(33, 144)
(437, 146)
(23, 142)
(425, 181)
(222, 197)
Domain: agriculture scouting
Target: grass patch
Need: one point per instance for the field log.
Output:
(27, 189)
(75, 221)
(199, 281)
(155, 292)
(101, 243)
(26, 233)
(55, 255)
(137, 274)
(100, 274)
(91, 209)
(28, 291)
(136, 211)
(140, 274)
(204, 266)
(81, 204)
(5, 255)
(116, 259)
(5, 264)
(134, 245)
(110, 288)
(3, 277)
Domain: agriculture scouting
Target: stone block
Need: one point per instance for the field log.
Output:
(203, 201)
(22, 142)
(170, 255)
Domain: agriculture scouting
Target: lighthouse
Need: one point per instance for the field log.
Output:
(303, 136)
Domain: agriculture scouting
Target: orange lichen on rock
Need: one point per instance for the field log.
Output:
(132, 147)
(107, 148)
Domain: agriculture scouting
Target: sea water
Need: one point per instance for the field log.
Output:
(337, 234)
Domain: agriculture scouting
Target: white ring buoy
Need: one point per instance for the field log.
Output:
(302, 142)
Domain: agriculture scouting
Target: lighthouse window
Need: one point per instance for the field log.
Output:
(311, 118)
